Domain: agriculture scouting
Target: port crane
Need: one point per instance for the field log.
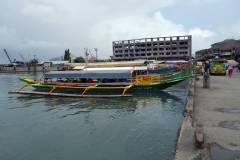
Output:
(92, 58)
(23, 58)
(9, 57)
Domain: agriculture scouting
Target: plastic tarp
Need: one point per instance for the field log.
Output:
(79, 67)
(140, 68)
(90, 74)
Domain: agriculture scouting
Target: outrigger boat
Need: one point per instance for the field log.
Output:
(123, 79)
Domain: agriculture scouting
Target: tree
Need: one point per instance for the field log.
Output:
(67, 55)
(34, 61)
(79, 60)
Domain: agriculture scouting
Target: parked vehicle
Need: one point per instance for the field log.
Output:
(198, 68)
(218, 66)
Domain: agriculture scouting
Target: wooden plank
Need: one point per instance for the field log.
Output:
(69, 95)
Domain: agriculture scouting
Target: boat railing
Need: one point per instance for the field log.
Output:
(147, 79)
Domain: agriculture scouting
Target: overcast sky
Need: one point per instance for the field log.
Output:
(45, 28)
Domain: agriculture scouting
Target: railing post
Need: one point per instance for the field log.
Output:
(206, 81)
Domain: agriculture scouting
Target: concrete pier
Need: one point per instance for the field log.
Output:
(218, 109)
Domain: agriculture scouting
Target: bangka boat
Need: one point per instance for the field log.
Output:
(123, 79)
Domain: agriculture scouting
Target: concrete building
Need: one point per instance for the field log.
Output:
(158, 48)
(224, 49)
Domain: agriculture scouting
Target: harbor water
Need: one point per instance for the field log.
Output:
(131, 128)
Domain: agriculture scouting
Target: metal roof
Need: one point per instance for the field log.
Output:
(108, 68)
(141, 68)
(90, 74)
(79, 67)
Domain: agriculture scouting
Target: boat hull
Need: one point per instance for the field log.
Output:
(152, 87)
(27, 80)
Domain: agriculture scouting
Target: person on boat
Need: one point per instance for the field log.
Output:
(83, 80)
(45, 80)
(70, 80)
(89, 80)
(105, 80)
(144, 77)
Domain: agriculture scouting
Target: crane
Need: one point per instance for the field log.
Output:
(92, 58)
(23, 58)
(9, 57)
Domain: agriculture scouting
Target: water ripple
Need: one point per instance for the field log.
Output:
(140, 127)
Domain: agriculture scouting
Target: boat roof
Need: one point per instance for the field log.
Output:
(174, 62)
(109, 68)
(140, 68)
(104, 73)
(79, 67)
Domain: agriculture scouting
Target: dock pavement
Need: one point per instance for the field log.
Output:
(217, 108)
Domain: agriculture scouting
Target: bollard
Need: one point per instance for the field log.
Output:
(199, 135)
(206, 81)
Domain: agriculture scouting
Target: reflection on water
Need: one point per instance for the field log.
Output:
(139, 97)
(140, 127)
(123, 105)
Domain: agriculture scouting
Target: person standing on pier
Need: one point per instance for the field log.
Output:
(238, 67)
(206, 67)
(230, 70)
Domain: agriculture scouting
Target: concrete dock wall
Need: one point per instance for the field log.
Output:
(30, 69)
(217, 108)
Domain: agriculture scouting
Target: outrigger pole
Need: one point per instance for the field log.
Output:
(75, 95)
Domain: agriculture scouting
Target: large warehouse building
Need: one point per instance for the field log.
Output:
(158, 48)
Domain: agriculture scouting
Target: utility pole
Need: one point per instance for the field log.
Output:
(96, 52)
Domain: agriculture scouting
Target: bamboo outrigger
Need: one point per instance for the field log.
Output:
(124, 80)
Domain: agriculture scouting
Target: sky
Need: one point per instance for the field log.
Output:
(44, 29)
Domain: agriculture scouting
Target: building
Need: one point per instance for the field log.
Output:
(158, 48)
(237, 54)
(224, 49)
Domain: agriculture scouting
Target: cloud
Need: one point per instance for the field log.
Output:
(198, 33)
(38, 44)
(134, 27)
(46, 28)
(229, 30)
(8, 37)
(5, 31)
(41, 12)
